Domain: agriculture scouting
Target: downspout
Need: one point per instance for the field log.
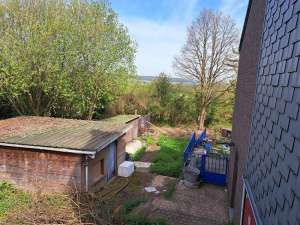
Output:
(86, 164)
(86, 167)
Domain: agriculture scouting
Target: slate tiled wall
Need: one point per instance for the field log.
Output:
(245, 92)
(274, 156)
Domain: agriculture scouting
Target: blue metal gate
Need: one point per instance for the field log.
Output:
(214, 168)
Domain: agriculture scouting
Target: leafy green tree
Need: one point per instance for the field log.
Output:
(162, 88)
(66, 58)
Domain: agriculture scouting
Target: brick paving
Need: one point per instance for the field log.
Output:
(202, 206)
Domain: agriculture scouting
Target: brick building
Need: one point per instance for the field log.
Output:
(52, 154)
(264, 183)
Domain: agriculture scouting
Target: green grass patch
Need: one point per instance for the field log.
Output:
(171, 188)
(168, 160)
(150, 140)
(10, 198)
(138, 154)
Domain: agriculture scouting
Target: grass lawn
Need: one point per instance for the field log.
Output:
(168, 160)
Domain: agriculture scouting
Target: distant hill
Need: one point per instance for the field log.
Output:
(174, 80)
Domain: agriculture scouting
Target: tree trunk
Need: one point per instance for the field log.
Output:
(202, 118)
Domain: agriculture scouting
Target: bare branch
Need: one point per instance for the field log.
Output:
(209, 55)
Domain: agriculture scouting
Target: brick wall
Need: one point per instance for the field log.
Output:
(40, 170)
(273, 166)
(96, 178)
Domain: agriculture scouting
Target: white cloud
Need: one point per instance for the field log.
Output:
(235, 8)
(182, 10)
(158, 43)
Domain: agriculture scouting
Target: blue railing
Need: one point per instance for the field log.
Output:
(201, 139)
(189, 148)
(214, 169)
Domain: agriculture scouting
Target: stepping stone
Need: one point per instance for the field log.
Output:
(142, 166)
(150, 189)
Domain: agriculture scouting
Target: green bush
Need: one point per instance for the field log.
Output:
(138, 154)
(150, 140)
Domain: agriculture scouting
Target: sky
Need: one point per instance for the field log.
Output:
(159, 27)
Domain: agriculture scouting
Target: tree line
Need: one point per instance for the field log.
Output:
(75, 59)
(173, 103)
(62, 58)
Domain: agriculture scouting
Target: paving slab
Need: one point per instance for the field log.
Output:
(206, 205)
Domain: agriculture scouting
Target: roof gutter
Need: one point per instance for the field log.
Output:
(91, 154)
(133, 119)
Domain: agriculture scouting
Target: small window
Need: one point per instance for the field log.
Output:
(102, 166)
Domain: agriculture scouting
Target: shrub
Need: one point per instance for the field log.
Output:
(138, 154)
(150, 140)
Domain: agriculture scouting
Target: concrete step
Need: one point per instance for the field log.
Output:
(142, 166)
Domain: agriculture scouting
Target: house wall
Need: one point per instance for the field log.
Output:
(133, 132)
(144, 123)
(121, 147)
(273, 167)
(40, 170)
(96, 178)
(245, 92)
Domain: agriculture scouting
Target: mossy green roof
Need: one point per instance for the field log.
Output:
(72, 134)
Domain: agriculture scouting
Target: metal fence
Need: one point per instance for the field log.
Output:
(189, 148)
(214, 168)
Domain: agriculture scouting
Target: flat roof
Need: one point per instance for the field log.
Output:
(63, 135)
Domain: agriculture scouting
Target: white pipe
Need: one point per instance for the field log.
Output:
(66, 150)
(86, 174)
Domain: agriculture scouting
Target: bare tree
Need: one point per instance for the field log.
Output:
(206, 58)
